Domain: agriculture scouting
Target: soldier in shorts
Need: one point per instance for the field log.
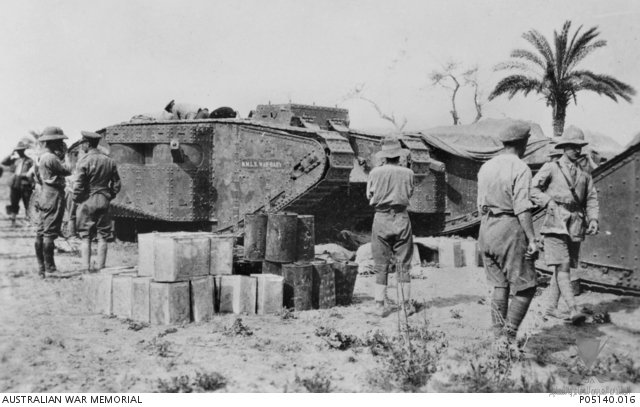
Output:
(568, 193)
(506, 235)
(97, 183)
(389, 189)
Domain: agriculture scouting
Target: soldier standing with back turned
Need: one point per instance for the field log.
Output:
(568, 193)
(389, 189)
(97, 183)
(506, 235)
(50, 201)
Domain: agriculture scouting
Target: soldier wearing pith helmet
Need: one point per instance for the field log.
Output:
(50, 202)
(567, 192)
(97, 183)
(506, 235)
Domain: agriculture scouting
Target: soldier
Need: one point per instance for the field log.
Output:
(568, 193)
(186, 111)
(21, 184)
(506, 235)
(389, 189)
(97, 183)
(50, 201)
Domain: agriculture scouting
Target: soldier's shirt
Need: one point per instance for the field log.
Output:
(390, 185)
(51, 170)
(96, 173)
(549, 184)
(503, 185)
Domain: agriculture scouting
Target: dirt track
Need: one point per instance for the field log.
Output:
(49, 342)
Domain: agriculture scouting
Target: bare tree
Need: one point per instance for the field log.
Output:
(471, 79)
(358, 93)
(453, 77)
(447, 78)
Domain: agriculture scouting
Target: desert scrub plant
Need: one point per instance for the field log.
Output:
(238, 329)
(160, 348)
(494, 374)
(203, 382)
(408, 360)
(318, 383)
(336, 339)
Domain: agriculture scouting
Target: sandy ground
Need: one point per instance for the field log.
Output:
(50, 342)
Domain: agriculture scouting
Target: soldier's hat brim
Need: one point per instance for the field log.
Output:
(90, 135)
(52, 133)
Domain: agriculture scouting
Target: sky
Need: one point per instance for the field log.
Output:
(84, 65)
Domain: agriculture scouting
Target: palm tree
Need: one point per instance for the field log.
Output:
(553, 74)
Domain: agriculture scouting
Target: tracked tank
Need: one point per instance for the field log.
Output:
(207, 174)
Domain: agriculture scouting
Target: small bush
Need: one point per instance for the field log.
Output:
(336, 339)
(203, 382)
(409, 360)
(238, 329)
(318, 383)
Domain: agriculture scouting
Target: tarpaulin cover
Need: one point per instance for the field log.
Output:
(479, 141)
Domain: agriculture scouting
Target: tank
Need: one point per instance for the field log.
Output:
(207, 174)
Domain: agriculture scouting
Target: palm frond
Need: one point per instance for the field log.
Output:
(561, 49)
(601, 84)
(529, 56)
(581, 42)
(516, 83)
(522, 66)
(584, 52)
(541, 44)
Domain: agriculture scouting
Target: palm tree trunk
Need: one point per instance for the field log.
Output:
(559, 114)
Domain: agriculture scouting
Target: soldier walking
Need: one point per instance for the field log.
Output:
(97, 183)
(21, 184)
(389, 189)
(506, 235)
(50, 201)
(568, 193)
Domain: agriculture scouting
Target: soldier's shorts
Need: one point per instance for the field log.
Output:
(94, 217)
(391, 235)
(559, 249)
(50, 208)
(503, 244)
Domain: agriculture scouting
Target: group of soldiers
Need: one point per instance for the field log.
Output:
(95, 183)
(507, 195)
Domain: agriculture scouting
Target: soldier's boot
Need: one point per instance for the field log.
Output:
(13, 220)
(102, 254)
(564, 283)
(48, 248)
(39, 247)
(85, 255)
(499, 306)
(382, 309)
